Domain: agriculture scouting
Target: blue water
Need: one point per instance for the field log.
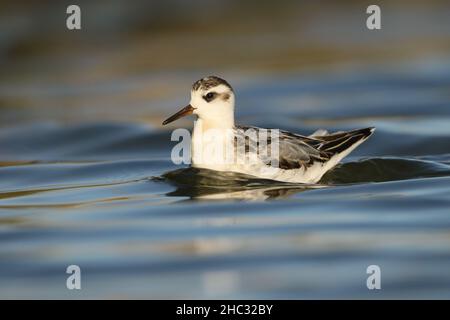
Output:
(105, 196)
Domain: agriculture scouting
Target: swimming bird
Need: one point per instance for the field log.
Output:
(263, 153)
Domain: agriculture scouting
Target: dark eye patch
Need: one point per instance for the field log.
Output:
(210, 96)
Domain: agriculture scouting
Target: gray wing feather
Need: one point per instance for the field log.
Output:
(297, 151)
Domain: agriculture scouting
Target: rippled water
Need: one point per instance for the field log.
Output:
(105, 196)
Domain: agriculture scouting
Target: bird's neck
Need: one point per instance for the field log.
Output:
(211, 142)
(224, 123)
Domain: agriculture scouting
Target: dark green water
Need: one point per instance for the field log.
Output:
(105, 196)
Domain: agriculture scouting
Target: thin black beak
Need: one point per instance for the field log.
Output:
(183, 112)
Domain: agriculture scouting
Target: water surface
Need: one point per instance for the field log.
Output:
(104, 195)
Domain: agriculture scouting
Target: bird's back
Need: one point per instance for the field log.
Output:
(305, 159)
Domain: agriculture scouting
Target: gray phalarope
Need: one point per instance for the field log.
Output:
(300, 159)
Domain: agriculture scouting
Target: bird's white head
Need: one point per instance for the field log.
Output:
(212, 100)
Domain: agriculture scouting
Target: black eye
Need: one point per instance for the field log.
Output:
(209, 96)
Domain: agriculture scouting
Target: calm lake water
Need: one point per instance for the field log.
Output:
(106, 196)
(86, 177)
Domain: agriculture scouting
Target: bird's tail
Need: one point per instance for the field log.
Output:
(341, 142)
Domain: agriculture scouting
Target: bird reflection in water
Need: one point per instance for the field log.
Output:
(203, 184)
